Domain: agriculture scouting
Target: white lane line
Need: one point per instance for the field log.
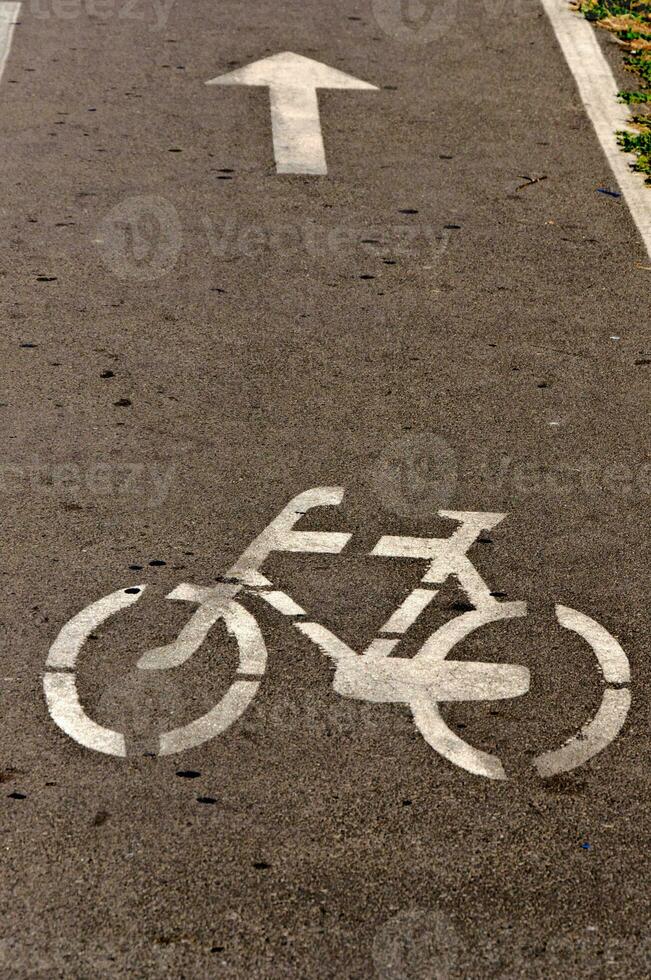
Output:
(8, 16)
(598, 90)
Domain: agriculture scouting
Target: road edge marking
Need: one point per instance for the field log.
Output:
(9, 13)
(598, 90)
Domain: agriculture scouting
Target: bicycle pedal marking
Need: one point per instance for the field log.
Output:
(421, 682)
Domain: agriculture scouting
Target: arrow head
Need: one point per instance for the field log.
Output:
(289, 70)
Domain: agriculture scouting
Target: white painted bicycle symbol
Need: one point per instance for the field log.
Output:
(422, 682)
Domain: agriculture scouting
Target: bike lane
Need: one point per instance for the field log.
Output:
(453, 318)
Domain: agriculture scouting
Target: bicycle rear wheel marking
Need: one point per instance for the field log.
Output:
(609, 720)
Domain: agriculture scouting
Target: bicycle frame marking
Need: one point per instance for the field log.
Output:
(373, 676)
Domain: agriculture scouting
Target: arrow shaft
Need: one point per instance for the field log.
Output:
(296, 128)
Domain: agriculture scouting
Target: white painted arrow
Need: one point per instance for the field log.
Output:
(292, 81)
(8, 17)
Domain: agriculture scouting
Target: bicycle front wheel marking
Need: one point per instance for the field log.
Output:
(62, 696)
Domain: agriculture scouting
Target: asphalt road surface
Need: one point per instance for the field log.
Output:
(455, 317)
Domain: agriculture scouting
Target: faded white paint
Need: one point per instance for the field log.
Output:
(593, 738)
(214, 604)
(293, 81)
(448, 744)
(387, 680)
(9, 13)
(67, 646)
(282, 603)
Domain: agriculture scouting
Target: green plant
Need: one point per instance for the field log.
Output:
(630, 22)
